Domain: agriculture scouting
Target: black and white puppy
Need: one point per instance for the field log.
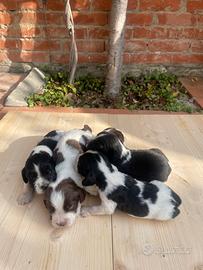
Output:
(154, 200)
(144, 165)
(39, 169)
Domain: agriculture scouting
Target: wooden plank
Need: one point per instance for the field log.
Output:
(27, 240)
(177, 244)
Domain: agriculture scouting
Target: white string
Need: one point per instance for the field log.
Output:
(73, 57)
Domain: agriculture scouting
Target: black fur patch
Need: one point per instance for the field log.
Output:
(52, 133)
(88, 168)
(59, 158)
(49, 143)
(150, 192)
(176, 199)
(128, 201)
(144, 165)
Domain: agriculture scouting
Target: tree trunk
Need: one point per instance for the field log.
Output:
(116, 42)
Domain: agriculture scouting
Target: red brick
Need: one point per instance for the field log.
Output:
(155, 32)
(62, 32)
(190, 59)
(33, 5)
(197, 46)
(139, 19)
(8, 5)
(170, 33)
(60, 58)
(55, 5)
(168, 46)
(8, 44)
(37, 45)
(16, 56)
(36, 57)
(31, 18)
(160, 5)
(133, 46)
(5, 18)
(105, 5)
(194, 5)
(144, 58)
(132, 4)
(199, 33)
(101, 4)
(200, 19)
(81, 33)
(176, 19)
(96, 18)
(90, 46)
(174, 33)
(57, 32)
(55, 18)
(27, 31)
(23, 31)
(80, 4)
(128, 33)
(98, 33)
(92, 58)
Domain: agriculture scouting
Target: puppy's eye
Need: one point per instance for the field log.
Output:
(46, 170)
(69, 207)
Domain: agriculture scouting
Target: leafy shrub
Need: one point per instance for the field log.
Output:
(154, 91)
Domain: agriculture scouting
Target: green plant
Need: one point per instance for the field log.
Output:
(154, 91)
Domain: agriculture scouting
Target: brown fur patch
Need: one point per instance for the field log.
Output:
(72, 194)
(86, 127)
(75, 144)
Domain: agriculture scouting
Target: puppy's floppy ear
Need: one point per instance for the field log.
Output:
(119, 134)
(24, 175)
(86, 127)
(89, 180)
(82, 195)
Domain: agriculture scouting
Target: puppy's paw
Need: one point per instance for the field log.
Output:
(92, 190)
(84, 212)
(24, 198)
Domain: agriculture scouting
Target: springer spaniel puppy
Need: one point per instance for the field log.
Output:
(63, 197)
(39, 169)
(152, 200)
(144, 165)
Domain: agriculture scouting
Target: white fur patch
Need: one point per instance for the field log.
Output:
(57, 137)
(163, 208)
(37, 149)
(113, 179)
(40, 181)
(126, 153)
(57, 200)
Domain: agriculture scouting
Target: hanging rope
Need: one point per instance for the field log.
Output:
(73, 58)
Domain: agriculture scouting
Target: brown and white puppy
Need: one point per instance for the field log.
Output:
(63, 198)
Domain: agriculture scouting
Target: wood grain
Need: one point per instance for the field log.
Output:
(120, 242)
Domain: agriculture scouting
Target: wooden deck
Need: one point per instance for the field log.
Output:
(120, 242)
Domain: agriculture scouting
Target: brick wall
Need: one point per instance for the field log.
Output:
(157, 32)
